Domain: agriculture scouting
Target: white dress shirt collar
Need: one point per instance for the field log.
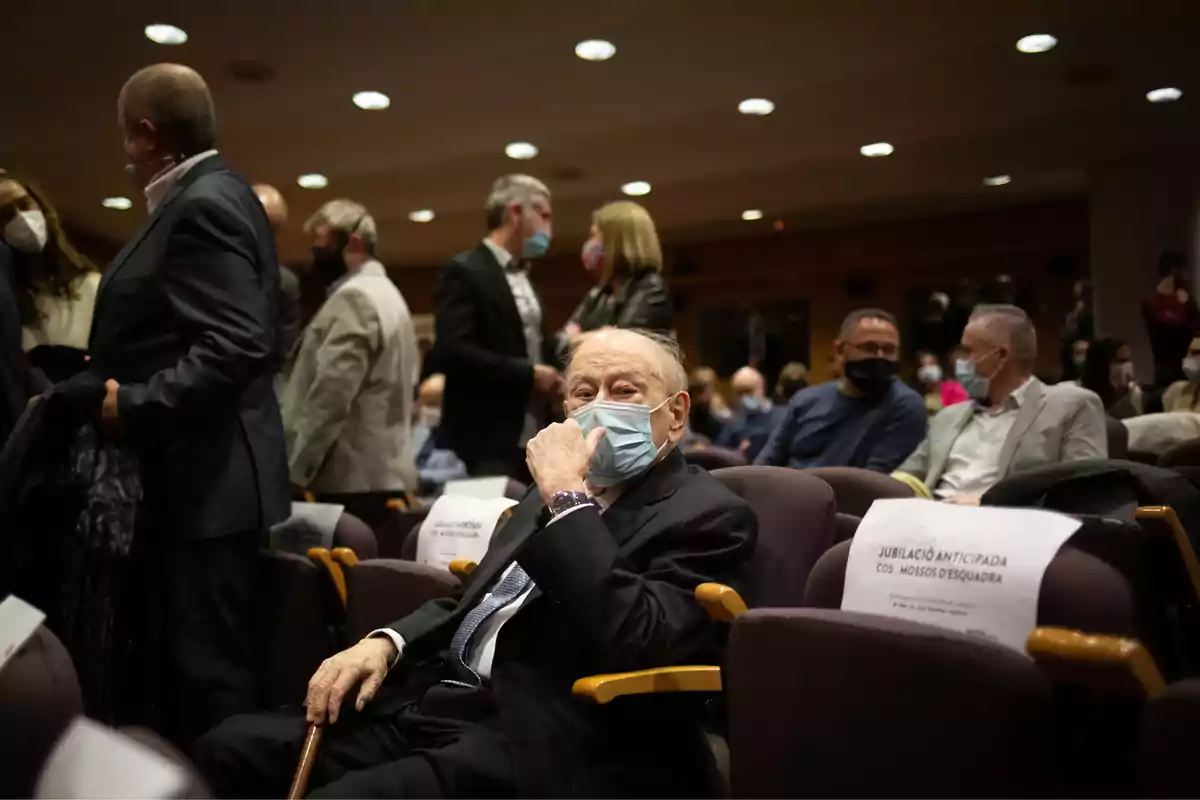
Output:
(503, 257)
(1015, 399)
(157, 189)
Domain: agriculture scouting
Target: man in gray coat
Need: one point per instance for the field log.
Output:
(347, 405)
(1016, 423)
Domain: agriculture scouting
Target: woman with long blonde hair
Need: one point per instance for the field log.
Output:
(625, 258)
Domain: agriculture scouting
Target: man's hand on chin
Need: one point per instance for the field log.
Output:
(559, 457)
(109, 420)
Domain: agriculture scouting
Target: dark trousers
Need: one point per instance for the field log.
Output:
(447, 744)
(207, 588)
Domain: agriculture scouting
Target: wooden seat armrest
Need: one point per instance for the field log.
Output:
(324, 560)
(1106, 663)
(345, 556)
(602, 689)
(462, 567)
(1167, 516)
(722, 602)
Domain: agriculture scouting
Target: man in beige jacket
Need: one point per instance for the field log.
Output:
(347, 405)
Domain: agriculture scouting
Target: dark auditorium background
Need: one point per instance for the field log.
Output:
(1088, 156)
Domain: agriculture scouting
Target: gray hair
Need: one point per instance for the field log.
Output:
(674, 374)
(1014, 325)
(348, 217)
(508, 190)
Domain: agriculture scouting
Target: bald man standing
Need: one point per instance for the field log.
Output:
(185, 334)
(289, 285)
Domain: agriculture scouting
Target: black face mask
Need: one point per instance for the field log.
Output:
(871, 376)
(328, 265)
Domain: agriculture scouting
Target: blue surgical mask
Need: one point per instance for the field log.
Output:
(536, 245)
(627, 449)
(976, 385)
(752, 403)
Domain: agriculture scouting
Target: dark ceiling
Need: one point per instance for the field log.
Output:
(940, 79)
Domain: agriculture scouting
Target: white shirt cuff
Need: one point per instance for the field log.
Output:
(396, 638)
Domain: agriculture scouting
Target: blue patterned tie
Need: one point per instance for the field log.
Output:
(509, 589)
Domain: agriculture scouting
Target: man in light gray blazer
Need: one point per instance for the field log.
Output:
(347, 404)
(1015, 423)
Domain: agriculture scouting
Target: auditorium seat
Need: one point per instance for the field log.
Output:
(825, 703)
(381, 591)
(714, 458)
(856, 489)
(393, 537)
(1169, 742)
(845, 526)
(39, 696)
(355, 534)
(1118, 437)
(1184, 454)
(795, 526)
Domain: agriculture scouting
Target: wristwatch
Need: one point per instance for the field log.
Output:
(562, 502)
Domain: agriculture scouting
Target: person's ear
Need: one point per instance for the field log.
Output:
(680, 407)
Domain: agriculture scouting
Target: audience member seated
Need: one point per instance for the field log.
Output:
(435, 464)
(1073, 368)
(792, 378)
(756, 417)
(938, 390)
(1183, 395)
(1015, 423)
(593, 573)
(1171, 316)
(709, 412)
(866, 418)
(1108, 371)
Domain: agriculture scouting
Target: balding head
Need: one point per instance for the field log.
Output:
(630, 366)
(273, 203)
(432, 389)
(748, 381)
(166, 114)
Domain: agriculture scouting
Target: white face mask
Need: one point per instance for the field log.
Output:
(27, 231)
(431, 416)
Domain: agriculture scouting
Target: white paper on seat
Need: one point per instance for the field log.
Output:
(18, 621)
(459, 526)
(965, 568)
(93, 761)
(310, 525)
(483, 488)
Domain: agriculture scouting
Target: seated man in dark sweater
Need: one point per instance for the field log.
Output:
(866, 418)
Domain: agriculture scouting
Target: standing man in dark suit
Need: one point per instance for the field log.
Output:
(489, 334)
(185, 332)
(594, 573)
(289, 285)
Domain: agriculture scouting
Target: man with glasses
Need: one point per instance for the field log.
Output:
(866, 418)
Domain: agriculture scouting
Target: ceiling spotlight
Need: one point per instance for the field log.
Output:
(636, 188)
(424, 215)
(752, 214)
(1167, 94)
(595, 50)
(756, 106)
(165, 34)
(997, 180)
(313, 180)
(522, 151)
(117, 203)
(877, 149)
(372, 101)
(1036, 43)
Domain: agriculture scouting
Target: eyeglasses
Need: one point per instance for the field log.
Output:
(885, 349)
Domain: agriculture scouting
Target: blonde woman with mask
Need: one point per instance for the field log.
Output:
(625, 259)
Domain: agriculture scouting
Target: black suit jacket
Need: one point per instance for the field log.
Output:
(482, 351)
(614, 593)
(13, 369)
(185, 320)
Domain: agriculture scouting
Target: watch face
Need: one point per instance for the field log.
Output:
(564, 500)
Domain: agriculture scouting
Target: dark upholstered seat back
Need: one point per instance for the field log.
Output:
(1184, 454)
(39, 696)
(1118, 437)
(381, 591)
(795, 526)
(352, 532)
(714, 458)
(828, 703)
(856, 489)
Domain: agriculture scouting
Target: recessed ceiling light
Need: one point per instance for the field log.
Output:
(165, 34)
(997, 180)
(313, 180)
(522, 151)
(371, 101)
(595, 50)
(1036, 43)
(1167, 94)
(636, 188)
(751, 214)
(424, 215)
(877, 149)
(117, 203)
(756, 106)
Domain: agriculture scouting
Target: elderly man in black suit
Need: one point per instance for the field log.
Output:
(594, 573)
(490, 334)
(185, 332)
